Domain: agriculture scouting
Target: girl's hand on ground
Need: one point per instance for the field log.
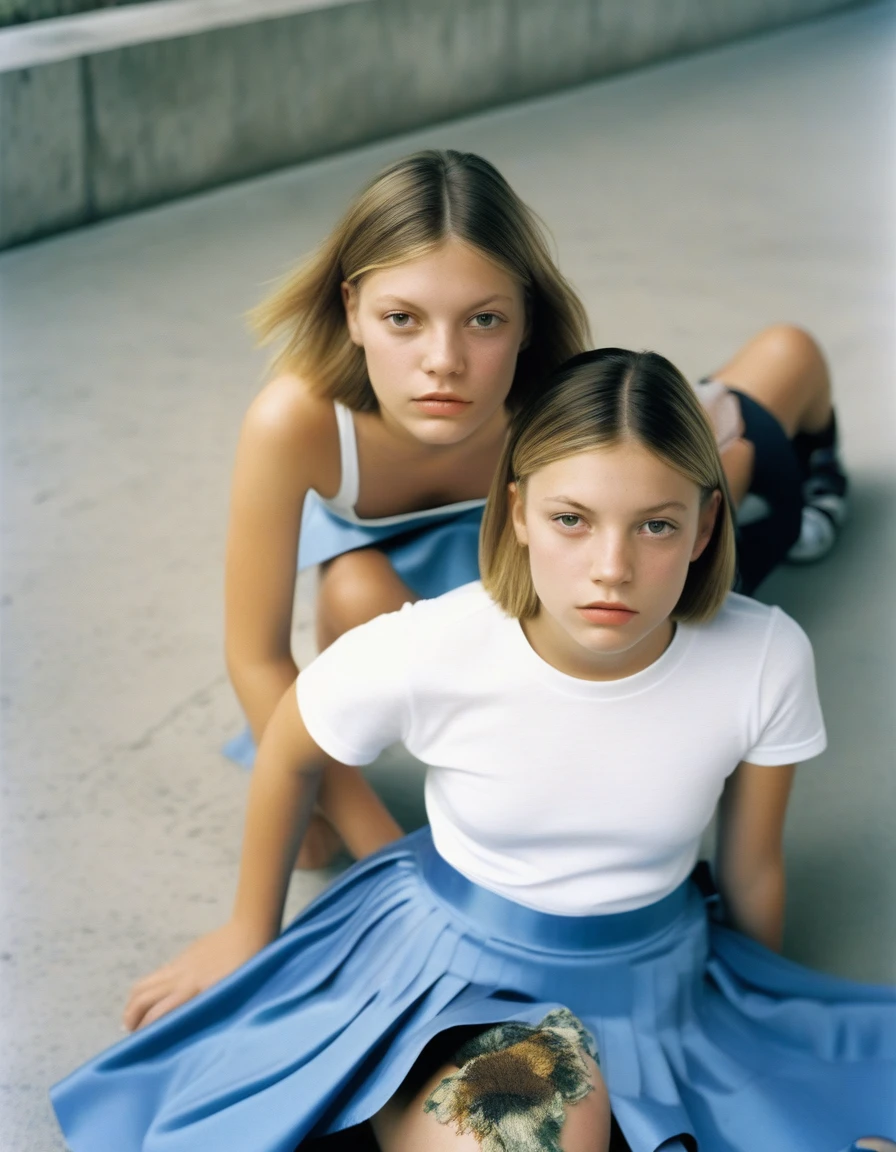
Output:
(206, 961)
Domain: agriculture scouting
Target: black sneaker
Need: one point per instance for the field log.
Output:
(824, 507)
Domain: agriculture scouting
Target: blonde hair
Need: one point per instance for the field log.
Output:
(595, 400)
(409, 209)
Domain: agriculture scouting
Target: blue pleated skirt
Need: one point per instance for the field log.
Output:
(705, 1038)
(432, 555)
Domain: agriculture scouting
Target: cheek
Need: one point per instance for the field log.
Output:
(666, 569)
(555, 559)
(495, 359)
(383, 351)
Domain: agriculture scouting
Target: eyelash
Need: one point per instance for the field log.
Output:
(392, 316)
(560, 517)
(667, 523)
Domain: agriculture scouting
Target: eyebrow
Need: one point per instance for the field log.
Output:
(667, 506)
(397, 301)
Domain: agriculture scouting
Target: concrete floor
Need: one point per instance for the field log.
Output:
(691, 203)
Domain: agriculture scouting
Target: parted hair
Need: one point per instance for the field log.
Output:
(595, 400)
(406, 211)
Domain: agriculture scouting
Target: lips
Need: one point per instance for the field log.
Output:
(441, 403)
(607, 612)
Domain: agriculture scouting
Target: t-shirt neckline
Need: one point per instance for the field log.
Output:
(638, 682)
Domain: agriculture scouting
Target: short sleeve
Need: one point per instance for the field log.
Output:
(353, 698)
(791, 726)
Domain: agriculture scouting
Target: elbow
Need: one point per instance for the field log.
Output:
(754, 898)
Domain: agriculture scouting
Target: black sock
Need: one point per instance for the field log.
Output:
(805, 443)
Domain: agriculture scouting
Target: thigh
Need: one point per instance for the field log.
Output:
(515, 1101)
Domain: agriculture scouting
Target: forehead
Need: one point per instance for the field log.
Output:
(452, 269)
(624, 474)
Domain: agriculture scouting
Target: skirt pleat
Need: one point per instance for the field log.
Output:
(706, 1039)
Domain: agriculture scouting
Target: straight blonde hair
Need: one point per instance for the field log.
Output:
(595, 400)
(408, 210)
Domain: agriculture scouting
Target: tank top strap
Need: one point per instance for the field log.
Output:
(349, 484)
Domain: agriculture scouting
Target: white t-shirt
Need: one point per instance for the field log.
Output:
(566, 795)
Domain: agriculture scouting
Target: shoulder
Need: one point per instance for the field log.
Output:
(761, 640)
(286, 410)
(469, 606)
(447, 629)
(749, 628)
(290, 428)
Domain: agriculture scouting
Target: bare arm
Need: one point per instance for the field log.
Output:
(749, 856)
(287, 445)
(281, 795)
(278, 459)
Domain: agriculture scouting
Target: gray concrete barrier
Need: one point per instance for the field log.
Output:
(119, 109)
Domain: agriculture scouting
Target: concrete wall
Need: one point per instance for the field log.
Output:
(116, 110)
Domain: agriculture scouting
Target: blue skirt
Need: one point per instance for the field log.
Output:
(431, 554)
(701, 1033)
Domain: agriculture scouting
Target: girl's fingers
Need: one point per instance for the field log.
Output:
(172, 1000)
(140, 1003)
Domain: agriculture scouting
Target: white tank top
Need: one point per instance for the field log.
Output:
(343, 503)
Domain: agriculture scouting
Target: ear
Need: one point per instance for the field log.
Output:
(707, 522)
(517, 514)
(350, 304)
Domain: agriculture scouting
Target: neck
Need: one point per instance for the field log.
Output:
(491, 433)
(554, 645)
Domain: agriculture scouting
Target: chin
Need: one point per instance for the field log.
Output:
(441, 429)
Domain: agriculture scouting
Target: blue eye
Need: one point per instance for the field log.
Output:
(486, 320)
(399, 319)
(658, 527)
(568, 520)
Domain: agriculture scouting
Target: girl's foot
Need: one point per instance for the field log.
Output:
(320, 846)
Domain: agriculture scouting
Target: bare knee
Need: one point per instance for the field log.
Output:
(784, 369)
(791, 344)
(353, 589)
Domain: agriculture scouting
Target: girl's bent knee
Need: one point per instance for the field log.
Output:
(788, 341)
(349, 589)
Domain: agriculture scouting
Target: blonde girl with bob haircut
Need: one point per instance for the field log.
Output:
(538, 969)
(657, 409)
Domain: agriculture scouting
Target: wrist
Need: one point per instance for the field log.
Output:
(257, 931)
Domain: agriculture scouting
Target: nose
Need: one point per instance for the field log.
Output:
(611, 558)
(444, 355)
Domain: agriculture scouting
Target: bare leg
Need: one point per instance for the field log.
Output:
(403, 1126)
(783, 369)
(354, 588)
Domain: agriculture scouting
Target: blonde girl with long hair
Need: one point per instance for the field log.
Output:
(406, 342)
(539, 964)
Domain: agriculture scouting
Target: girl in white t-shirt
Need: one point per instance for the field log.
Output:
(541, 954)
